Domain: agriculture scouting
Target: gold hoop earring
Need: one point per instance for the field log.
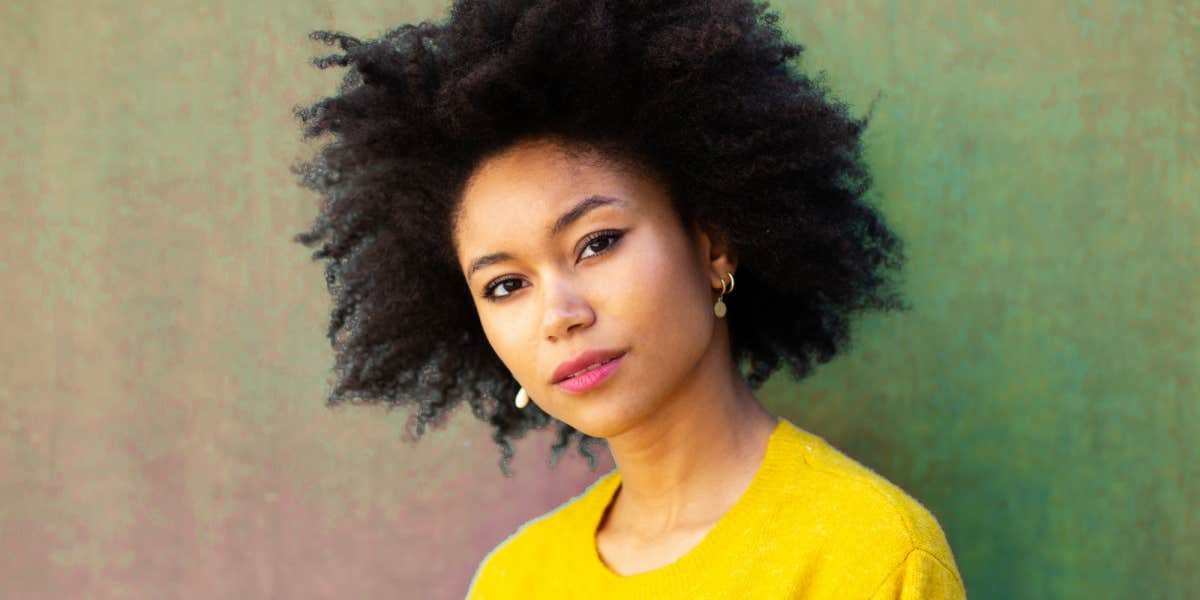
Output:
(719, 308)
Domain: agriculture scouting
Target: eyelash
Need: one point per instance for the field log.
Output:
(607, 234)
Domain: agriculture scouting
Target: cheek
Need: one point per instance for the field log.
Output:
(504, 340)
(665, 298)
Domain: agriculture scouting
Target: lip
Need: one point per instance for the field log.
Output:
(586, 381)
(582, 361)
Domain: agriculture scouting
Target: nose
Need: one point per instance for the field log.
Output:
(564, 308)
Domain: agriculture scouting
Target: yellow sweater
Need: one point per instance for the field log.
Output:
(813, 524)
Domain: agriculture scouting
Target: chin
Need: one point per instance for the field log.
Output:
(605, 418)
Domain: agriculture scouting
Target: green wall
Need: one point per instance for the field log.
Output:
(162, 428)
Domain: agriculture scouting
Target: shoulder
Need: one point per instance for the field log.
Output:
(528, 552)
(870, 499)
(843, 510)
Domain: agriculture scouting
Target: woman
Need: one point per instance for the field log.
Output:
(600, 211)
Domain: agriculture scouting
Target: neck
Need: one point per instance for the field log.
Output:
(687, 464)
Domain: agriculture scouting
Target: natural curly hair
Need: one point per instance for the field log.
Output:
(702, 93)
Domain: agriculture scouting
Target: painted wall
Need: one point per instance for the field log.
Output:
(162, 367)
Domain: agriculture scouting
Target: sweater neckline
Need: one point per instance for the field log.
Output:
(720, 540)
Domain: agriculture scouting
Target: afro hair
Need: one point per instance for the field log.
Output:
(704, 93)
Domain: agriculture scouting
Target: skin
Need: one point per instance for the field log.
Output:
(683, 426)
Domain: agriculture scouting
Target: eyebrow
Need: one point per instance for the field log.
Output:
(574, 214)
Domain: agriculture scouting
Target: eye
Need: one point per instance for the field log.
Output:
(489, 289)
(605, 239)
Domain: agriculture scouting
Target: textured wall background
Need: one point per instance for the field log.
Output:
(162, 432)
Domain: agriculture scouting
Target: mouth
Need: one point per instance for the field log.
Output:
(591, 376)
(585, 363)
(591, 367)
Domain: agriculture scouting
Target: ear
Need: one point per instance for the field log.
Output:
(720, 258)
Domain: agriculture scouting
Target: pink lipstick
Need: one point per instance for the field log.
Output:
(592, 378)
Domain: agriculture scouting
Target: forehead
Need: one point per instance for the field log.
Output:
(525, 188)
(530, 173)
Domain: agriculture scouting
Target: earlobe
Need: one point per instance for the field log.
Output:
(720, 280)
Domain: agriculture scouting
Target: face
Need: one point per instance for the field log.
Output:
(579, 256)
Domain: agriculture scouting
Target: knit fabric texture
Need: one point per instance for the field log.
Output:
(813, 524)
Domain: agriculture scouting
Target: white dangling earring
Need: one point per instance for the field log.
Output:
(522, 398)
